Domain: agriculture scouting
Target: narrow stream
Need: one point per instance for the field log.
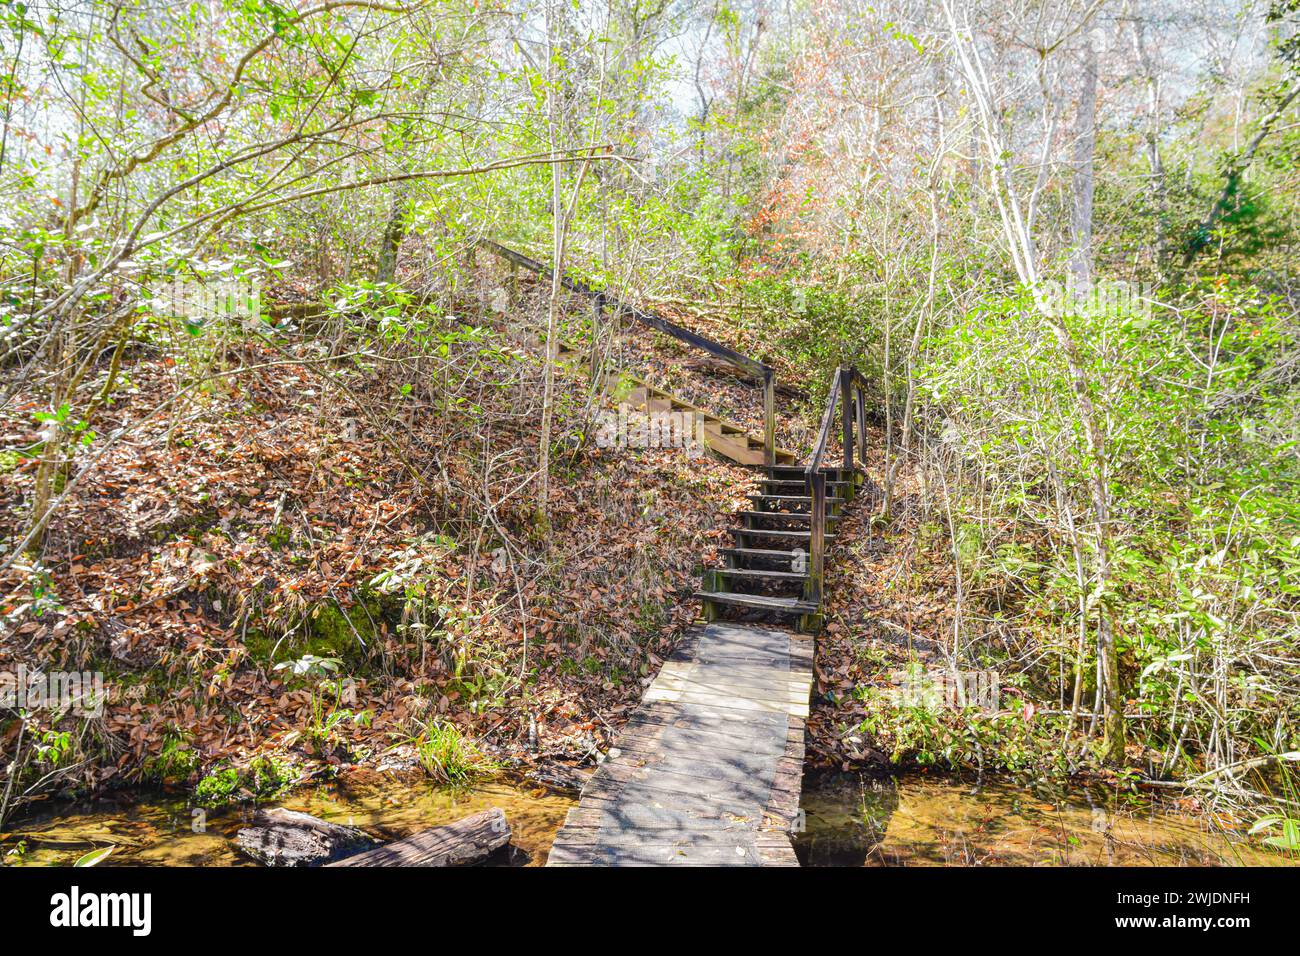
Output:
(862, 820)
(161, 829)
(849, 820)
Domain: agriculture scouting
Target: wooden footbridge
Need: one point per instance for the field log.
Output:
(708, 770)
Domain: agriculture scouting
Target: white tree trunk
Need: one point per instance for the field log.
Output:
(1085, 146)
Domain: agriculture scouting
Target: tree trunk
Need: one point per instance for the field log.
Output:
(1155, 163)
(394, 232)
(1081, 271)
(1085, 145)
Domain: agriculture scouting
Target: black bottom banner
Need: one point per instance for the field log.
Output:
(180, 907)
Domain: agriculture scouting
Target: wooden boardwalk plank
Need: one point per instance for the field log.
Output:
(708, 771)
(616, 816)
(686, 743)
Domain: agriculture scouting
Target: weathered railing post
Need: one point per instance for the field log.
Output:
(846, 415)
(769, 415)
(860, 406)
(812, 590)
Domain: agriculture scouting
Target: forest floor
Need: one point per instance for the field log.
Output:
(262, 519)
(266, 520)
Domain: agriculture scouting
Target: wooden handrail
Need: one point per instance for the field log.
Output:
(824, 433)
(847, 391)
(760, 370)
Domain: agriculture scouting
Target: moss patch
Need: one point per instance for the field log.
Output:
(262, 779)
(325, 630)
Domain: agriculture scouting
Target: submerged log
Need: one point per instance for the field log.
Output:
(466, 841)
(280, 837)
(559, 777)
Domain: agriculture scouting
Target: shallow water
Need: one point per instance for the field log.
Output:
(159, 829)
(850, 820)
(861, 820)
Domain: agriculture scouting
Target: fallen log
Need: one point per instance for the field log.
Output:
(464, 842)
(280, 837)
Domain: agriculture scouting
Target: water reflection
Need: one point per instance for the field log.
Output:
(861, 820)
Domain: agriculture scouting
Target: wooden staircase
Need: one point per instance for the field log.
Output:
(726, 439)
(708, 770)
(775, 566)
(722, 437)
(770, 571)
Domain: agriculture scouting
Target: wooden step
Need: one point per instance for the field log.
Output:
(759, 574)
(769, 553)
(794, 499)
(784, 535)
(803, 517)
(735, 447)
(800, 484)
(760, 602)
(786, 472)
